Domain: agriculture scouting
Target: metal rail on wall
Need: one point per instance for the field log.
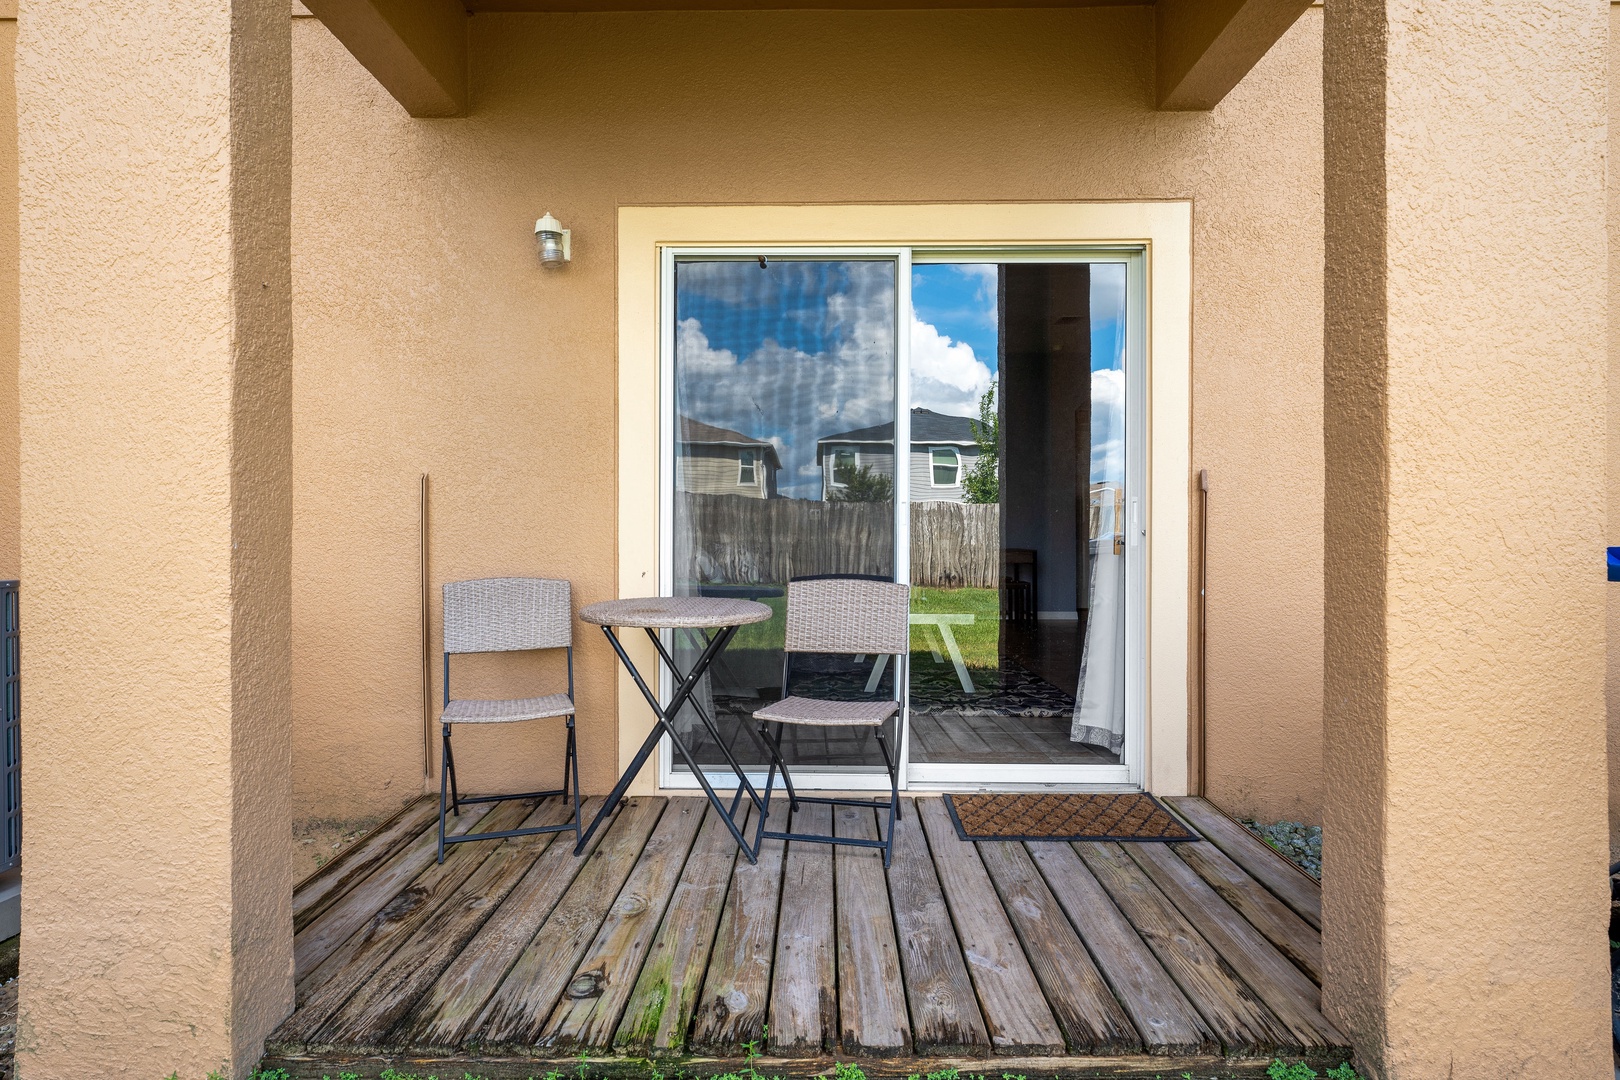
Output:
(11, 711)
(427, 639)
(1203, 636)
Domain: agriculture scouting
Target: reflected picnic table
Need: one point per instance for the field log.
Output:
(942, 626)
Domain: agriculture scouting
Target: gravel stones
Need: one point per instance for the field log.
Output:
(1299, 844)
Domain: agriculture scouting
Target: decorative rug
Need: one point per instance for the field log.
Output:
(1131, 816)
(1010, 690)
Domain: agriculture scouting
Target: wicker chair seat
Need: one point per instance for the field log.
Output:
(816, 711)
(507, 711)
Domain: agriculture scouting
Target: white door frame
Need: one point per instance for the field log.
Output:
(1162, 229)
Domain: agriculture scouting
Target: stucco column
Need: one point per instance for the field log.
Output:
(155, 145)
(1466, 841)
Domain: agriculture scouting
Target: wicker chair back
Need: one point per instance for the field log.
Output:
(848, 615)
(507, 615)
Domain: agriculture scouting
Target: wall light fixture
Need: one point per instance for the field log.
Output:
(554, 240)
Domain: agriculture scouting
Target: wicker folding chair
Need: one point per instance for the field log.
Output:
(506, 615)
(851, 616)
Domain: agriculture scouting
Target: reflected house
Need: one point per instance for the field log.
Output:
(943, 452)
(719, 461)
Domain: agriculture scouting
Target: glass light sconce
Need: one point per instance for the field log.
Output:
(554, 241)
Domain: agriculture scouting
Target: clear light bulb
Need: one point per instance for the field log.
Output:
(551, 249)
(553, 241)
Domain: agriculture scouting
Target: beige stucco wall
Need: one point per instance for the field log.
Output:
(1612, 680)
(9, 502)
(156, 469)
(1466, 359)
(428, 338)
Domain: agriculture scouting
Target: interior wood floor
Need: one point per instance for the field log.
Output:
(952, 738)
(663, 941)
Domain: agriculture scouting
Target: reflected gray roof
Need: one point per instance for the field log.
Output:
(927, 426)
(696, 431)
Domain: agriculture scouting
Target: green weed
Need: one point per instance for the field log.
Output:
(1298, 1070)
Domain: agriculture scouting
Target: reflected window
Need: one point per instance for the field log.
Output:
(745, 469)
(845, 464)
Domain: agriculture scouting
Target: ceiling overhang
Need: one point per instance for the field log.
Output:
(417, 49)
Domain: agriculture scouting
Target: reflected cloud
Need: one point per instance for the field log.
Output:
(1108, 426)
(946, 375)
(788, 354)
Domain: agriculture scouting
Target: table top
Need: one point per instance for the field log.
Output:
(671, 612)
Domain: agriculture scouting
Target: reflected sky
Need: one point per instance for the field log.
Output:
(954, 346)
(789, 353)
(804, 349)
(955, 330)
(1108, 373)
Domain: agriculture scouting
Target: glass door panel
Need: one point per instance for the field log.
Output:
(1017, 487)
(783, 466)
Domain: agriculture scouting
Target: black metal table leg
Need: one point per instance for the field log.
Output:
(743, 784)
(664, 724)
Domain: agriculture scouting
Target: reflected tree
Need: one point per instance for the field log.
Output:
(983, 482)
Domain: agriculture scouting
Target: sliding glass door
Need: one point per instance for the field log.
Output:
(970, 423)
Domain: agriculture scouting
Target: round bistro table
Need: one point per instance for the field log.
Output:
(714, 620)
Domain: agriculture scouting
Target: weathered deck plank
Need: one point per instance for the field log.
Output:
(1161, 1013)
(1291, 885)
(314, 893)
(350, 912)
(1287, 992)
(1237, 1015)
(660, 1010)
(323, 991)
(517, 1012)
(945, 1015)
(366, 1018)
(872, 1016)
(1015, 1013)
(804, 996)
(731, 1011)
(1092, 1021)
(588, 1014)
(443, 1018)
(1292, 935)
(933, 962)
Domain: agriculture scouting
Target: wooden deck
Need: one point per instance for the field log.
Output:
(663, 942)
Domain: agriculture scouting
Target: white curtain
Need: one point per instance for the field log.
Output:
(1099, 703)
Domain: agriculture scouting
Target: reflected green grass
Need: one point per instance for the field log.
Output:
(979, 642)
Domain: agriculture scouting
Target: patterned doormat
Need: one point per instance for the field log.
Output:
(1112, 816)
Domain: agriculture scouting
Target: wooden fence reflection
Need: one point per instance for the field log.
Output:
(740, 541)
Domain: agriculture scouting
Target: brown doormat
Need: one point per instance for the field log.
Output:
(1112, 816)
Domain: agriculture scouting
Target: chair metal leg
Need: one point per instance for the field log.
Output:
(787, 780)
(770, 784)
(894, 797)
(449, 758)
(444, 779)
(894, 773)
(885, 841)
(571, 766)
